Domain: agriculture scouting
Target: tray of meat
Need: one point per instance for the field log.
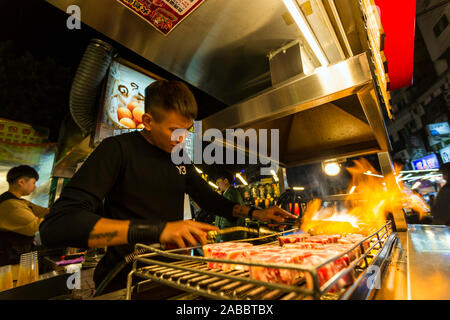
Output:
(304, 245)
(293, 238)
(327, 271)
(229, 251)
(353, 239)
(278, 275)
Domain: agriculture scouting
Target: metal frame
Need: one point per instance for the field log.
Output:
(194, 268)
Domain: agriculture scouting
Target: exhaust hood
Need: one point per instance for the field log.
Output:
(222, 48)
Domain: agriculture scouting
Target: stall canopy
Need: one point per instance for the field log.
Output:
(313, 69)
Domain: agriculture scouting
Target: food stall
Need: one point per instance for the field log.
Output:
(315, 71)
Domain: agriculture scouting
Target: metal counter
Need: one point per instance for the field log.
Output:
(428, 262)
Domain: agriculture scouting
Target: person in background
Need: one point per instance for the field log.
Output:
(441, 208)
(19, 218)
(230, 193)
(431, 200)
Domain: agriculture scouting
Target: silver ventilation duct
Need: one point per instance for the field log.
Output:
(87, 82)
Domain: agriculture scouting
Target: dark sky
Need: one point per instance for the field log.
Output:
(41, 56)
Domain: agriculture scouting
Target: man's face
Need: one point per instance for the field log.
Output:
(162, 130)
(26, 185)
(222, 184)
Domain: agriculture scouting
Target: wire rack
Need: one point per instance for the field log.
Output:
(182, 270)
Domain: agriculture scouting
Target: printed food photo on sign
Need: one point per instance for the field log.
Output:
(124, 101)
(163, 15)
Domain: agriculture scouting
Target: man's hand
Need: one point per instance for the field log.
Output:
(273, 214)
(185, 233)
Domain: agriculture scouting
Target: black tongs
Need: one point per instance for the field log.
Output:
(287, 222)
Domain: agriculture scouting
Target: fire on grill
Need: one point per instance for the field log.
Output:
(327, 233)
(329, 254)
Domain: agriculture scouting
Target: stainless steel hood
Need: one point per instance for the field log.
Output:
(332, 113)
(223, 47)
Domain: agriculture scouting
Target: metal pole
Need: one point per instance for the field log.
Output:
(387, 168)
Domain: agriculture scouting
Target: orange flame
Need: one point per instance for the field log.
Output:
(366, 208)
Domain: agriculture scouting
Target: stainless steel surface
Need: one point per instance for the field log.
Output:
(428, 262)
(330, 113)
(190, 273)
(394, 282)
(222, 46)
(223, 49)
(286, 63)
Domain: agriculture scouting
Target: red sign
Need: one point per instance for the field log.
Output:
(399, 19)
(164, 15)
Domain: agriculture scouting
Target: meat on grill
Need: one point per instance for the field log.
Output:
(303, 250)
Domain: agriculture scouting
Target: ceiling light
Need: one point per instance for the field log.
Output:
(298, 17)
(331, 168)
(298, 188)
(198, 170)
(242, 179)
(213, 185)
(274, 175)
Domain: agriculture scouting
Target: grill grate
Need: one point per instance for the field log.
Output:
(191, 274)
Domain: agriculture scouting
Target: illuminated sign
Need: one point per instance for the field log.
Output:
(437, 129)
(426, 163)
(445, 154)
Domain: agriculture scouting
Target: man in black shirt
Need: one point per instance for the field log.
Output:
(129, 190)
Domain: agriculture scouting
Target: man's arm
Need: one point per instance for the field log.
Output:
(76, 219)
(79, 208)
(17, 217)
(38, 211)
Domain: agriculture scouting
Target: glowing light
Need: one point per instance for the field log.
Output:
(352, 189)
(242, 179)
(298, 188)
(306, 31)
(369, 173)
(332, 168)
(213, 185)
(274, 175)
(198, 170)
(416, 185)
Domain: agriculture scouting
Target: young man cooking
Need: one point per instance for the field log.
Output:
(129, 190)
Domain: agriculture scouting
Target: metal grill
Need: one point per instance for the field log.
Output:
(191, 273)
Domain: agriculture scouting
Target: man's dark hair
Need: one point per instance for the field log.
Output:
(22, 171)
(170, 96)
(224, 176)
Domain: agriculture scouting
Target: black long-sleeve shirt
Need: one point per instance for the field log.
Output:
(126, 178)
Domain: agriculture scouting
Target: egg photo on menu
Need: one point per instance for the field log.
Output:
(124, 100)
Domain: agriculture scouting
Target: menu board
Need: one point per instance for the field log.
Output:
(123, 102)
(163, 15)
